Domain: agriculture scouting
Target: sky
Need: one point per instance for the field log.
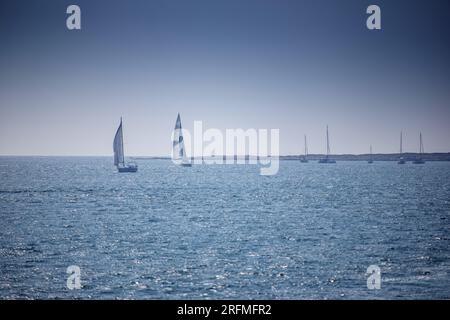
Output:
(295, 66)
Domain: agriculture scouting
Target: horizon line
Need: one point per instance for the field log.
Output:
(238, 155)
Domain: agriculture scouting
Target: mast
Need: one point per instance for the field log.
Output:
(306, 147)
(421, 151)
(401, 142)
(181, 139)
(121, 140)
(328, 143)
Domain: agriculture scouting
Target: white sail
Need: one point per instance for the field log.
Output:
(178, 150)
(119, 156)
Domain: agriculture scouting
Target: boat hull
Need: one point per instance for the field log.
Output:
(419, 161)
(186, 164)
(127, 169)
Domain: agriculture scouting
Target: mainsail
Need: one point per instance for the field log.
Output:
(119, 156)
(178, 151)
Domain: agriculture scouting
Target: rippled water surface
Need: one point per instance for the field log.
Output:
(221, 232)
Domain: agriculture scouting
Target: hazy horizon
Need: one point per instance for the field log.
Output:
(296, 66)
(217, 156)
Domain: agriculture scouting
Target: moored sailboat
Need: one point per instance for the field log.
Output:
(327, 158)
(419, 159)
(178, 151)
(119, 154)
(401, 160)
(304, 159)
(371, 157)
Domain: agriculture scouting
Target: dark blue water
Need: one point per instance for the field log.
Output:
(223, 231)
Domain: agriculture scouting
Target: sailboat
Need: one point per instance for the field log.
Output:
(327, 157)
(305, 157)
(401, 160)
(371, 158)
(119, 154)
(178, 151)
(419, 159)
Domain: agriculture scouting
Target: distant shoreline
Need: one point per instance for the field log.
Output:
(340, 157)
(409, 156)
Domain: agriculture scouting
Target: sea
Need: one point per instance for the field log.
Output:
(312, 231)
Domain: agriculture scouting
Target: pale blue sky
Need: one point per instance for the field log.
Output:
(292, 65)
